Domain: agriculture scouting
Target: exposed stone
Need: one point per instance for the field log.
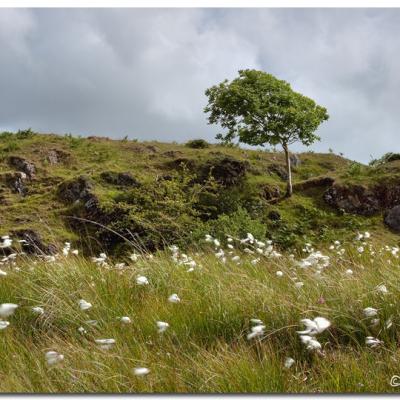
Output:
(392, 218)
(279, 170)
(354, 199)
(33, 243)
(22, 165)
(294, 160)
(119, 178)
(56, 156)
(270, 192)
(227, 170)
(15, 181)
(75, 190)
(274, 215)
(172, 153)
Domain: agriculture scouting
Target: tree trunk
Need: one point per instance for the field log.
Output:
(289, 190)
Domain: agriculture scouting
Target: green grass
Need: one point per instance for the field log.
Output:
(205, 350)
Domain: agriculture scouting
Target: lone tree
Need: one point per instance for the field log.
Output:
(260, 109)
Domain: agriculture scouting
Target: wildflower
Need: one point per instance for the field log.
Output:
(142, 280)
(255, 261)
(382, 289)
(52, 357)
(174, 298)
(209, 238)
(367, 235)
(134, 257)
(220, 254)
(370, 312)
(141, 371)
(313, 327)
(256, 321)
(101, 260)
(359, 236)
(310, 342)
(38, 310)
(298, 285)
(4, 324)
(230, 240)
(162, 326)
(230, 246)
(217, 243)
(7, 309)
(105, 344)
(349, 272)
(125, 320)
(235, 258)
(84, 305)
(289, 362)
(7, 242)
(82, 330)
(75, 252)
(360, 249)
(373, 342)
(279, 273)
(256, 331)
(3, 273)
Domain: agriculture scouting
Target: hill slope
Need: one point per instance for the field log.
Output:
(95, 191)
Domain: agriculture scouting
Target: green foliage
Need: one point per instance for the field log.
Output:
(260, 109)
(388, 157)
(197, 144)
(236, 224)
(25, 134)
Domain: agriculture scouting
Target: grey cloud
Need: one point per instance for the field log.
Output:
(143, 72)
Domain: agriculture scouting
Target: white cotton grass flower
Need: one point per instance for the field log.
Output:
(360, 249)
(382, 289)
(279, 274)
(310, 342)
(256, 331)
(373, 342)
(162, 326)
(53, 357)
(105, 344)
(3, 273)
(4, 324)
(142, 280)
(235, 258)
(374, 322)
(256, 321)
(141, 371)
(370, 312)
(75, 252)
(298, 285)
(84, 305)
(7, 309)
(349, 272)
(174, 298)
(315, 326)
(217, 243)
(7, 242)
(125, 320)
(82, 330)
(38, 310)
(289, 361)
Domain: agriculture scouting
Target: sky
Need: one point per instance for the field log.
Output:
(142, 73)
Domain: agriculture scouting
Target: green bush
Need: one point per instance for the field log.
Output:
(197, 144)
(25, 133)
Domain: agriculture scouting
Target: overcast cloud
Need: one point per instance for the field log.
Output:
(143, 72)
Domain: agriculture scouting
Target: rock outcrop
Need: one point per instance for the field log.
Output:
(392, 218)
(32, 242)
(23, 165)
(119, 178)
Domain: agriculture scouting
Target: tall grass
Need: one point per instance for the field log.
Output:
(205, 348)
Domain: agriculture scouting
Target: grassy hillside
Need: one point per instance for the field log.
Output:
(206, 347)
(177, 199)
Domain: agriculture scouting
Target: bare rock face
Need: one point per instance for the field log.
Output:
(23, 165)
(270, 192)
(119, 178)
(279, 170)
(294, 160)
(75, 190)
(16, 182)
(32, 242)
(227, 171)
(56, 156)
(392, 218)
(354, 199)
